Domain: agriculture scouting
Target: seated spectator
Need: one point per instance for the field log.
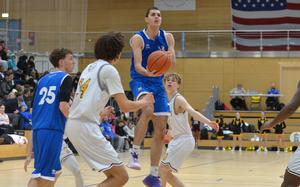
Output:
(6, 127)
(108, 132)
(32, 79)
(3, 50)
(12, 62)
(6, 85)
(238, 103)
(27, 97)
(11, 108)
(22, 63)
(4, 120)
(129, 129)
(30, 66)
(121, 133)
(272, 102)
(3, 55)
(2, 73)
(25, 118)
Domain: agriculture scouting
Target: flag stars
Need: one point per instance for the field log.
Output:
(236, 4)
(253, 5)
(258, 1)
(262, 5)
(281, 4)
(272, 5)
(244, 5)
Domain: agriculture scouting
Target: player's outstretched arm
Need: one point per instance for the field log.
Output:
(131, 106)
(288, 110)
(181, 102)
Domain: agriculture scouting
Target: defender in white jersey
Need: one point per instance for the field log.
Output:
(292, 172)
(183, 142)
(98, 82)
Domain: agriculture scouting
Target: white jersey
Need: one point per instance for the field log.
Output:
(97, 83)
(179, 123)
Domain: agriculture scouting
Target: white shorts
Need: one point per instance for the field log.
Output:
(92, 145)
(294, 164)
(65, 152)
(178, 150)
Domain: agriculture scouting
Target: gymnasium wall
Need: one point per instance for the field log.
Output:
(51, 22)
(56, 19)
(129, 15)
(200, 74)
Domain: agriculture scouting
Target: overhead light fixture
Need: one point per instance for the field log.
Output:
(5, 15)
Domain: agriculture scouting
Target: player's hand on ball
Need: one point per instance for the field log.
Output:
(153, 73)
(214, 125)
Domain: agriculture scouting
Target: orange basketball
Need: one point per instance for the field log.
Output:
(159, 61)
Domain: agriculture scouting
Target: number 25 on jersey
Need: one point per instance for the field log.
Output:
(48, 95)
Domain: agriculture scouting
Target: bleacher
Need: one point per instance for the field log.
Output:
(15, 150)
(251, 117)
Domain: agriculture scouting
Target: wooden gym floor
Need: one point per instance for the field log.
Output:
(206, 168)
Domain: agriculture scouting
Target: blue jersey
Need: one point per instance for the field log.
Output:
(160, 43)
(46, 113)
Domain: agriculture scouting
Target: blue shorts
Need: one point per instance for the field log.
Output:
(46, 147)
(140, 87)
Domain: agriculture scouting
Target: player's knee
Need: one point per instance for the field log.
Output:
(122, 178)
(164, 170)
(147, 111)
(76, 171)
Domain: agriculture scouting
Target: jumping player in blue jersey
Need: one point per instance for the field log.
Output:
(143, 43)
(50, 109)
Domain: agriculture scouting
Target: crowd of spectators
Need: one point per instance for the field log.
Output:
(17, 83)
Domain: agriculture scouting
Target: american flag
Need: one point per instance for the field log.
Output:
(275, 16)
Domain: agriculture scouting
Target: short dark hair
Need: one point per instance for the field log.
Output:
(149, 9)
(58, 54)
(109, 46)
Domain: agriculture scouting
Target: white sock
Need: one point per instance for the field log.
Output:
(154, 171)
(72, 165)
(136, 149)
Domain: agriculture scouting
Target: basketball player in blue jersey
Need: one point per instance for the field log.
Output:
(50, 109)
(143, 43)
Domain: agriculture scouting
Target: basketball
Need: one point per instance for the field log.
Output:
(159, 61)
